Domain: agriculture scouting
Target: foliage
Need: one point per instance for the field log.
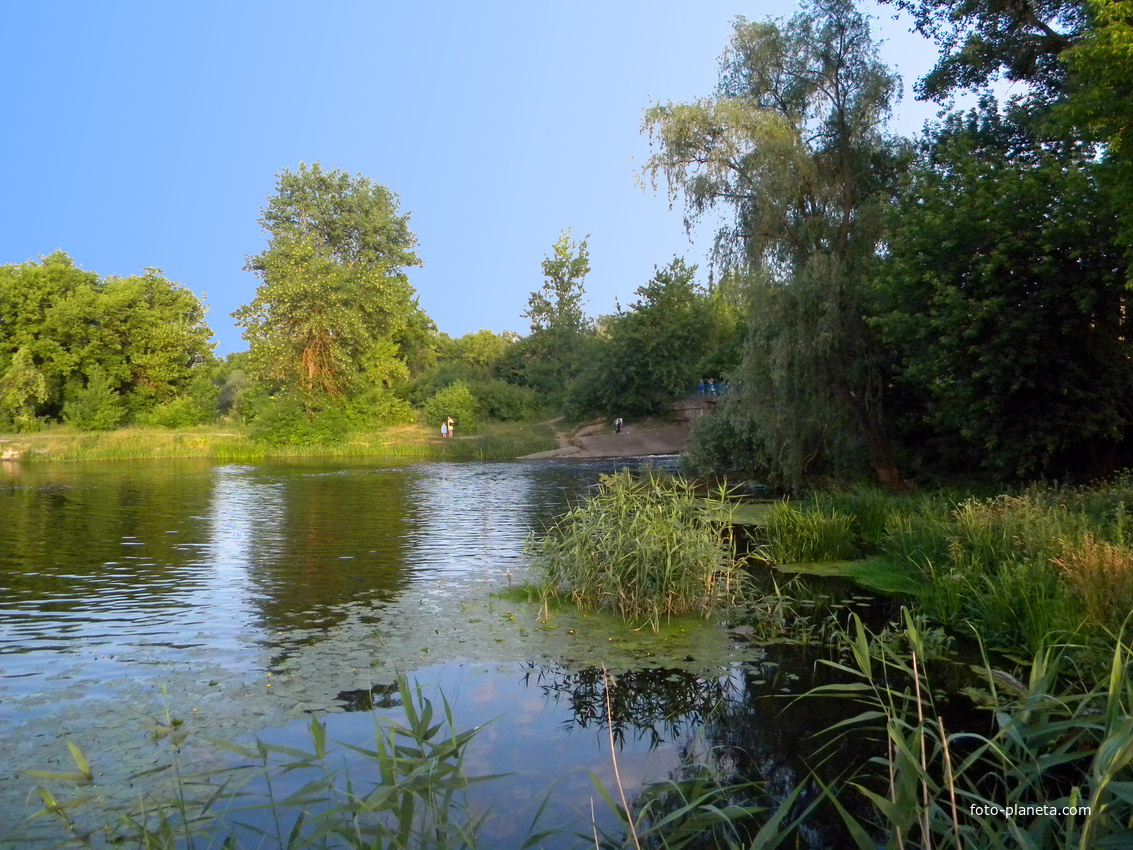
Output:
(981, 40)
(96, 405)
(793, 146)
(456, 401)
(1098, 105)
(1056, 747)
(287, 419)
(648, 548)
(22, 388)
(196, 406)
(548, 358)
(142, 339)
(675, 335)
(333, 296)
(724, 445)
(1002, 299)
(483, 348)
(497, 399)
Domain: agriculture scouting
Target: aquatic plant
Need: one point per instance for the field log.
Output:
(649, 548)
(1056, 772)
(814, 533)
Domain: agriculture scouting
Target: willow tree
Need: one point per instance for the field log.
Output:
(792, 150)
(334, 296)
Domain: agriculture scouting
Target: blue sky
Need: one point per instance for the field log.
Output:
(149, 134)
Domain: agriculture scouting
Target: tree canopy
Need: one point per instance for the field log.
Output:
(334, 296)
(140, 341)
(793, 144)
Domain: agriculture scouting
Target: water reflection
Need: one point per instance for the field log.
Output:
(655, 705)
(121, 568)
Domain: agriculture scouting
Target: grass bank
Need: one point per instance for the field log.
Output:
(1021, 569)
(498, 441)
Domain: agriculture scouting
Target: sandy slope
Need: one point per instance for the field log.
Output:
(636, 440)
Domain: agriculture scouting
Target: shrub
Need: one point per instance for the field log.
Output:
(97, 406)
(284, 420)
(504, 402)
(647, 548)
(455, 400)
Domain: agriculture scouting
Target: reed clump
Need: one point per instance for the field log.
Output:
(649, 548)
(818, 533)
(1055, 771)
(1101, 575)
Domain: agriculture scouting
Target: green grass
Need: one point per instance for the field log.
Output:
(498, 441)
(1056, 743)
(1048, 562)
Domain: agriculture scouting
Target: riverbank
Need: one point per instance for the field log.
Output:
(599, 440)
(498, 441)
(231, 443)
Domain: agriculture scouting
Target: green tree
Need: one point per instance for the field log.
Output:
(334, 296)
(1003, 300)
(1098, 105)
(22, 389)
(94, 404)
(146, 335)
(793, 146)
(982, 40)
(658, 350)
(549, 356)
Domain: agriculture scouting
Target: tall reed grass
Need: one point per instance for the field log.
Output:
(1049, 562)
(1056, 772)
(650, 548)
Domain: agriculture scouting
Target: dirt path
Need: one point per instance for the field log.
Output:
(637, 440)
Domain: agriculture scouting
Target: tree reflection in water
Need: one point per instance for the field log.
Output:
(659, 704)
(748, 730)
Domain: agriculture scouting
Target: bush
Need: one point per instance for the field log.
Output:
(723, 445)
(97, 406)
(455, 400)
(505, 402)
(648, 548)
(284, 420)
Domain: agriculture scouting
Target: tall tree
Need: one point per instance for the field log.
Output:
(1099, 101)
(793, 146)
(334, 296)
(550, 354)
(1003, 298)
(674, 335)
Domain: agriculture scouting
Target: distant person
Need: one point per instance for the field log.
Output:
(618, 425)
(451, 427)
(712, 386)
(444, 430)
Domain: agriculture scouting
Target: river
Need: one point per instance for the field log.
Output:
(242, 600)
